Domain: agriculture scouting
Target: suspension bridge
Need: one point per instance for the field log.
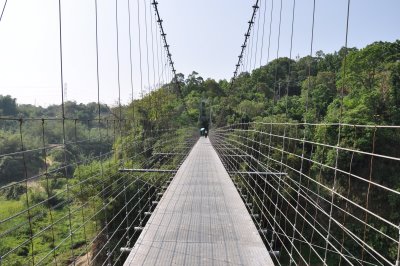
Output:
(129, 185)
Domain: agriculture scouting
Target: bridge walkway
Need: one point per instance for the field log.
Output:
(200, 220)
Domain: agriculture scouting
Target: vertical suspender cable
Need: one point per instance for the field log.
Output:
(98, 103)
(158, 54)
(305, 128)
(270, 29)
(46, 173)
(153, 59)
(156, 82)
(263, 32)
(339, 130)
(152, 47)
(118, 68)
(97, 67)
(258, 30)
(140, 48)
(147, 55)
(286, 99)
(131, 63)
(63, 126)
(26, 192)
(277, 51)
(290, 58)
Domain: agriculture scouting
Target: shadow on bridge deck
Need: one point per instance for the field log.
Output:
(200, 220)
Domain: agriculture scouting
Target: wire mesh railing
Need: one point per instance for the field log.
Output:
(65, 201)
(316, 200)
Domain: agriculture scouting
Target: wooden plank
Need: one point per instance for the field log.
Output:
(200, 220)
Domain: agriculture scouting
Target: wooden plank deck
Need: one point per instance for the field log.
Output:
(200, 220)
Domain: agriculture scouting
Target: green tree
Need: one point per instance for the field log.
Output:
(317, 93)
(8, 106)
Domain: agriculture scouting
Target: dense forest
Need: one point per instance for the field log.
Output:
(26, 120)
(352, 86)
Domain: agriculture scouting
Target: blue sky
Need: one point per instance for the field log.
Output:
(204, 36)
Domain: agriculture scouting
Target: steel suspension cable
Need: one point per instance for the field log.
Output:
(2, 11)
(247, 35)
